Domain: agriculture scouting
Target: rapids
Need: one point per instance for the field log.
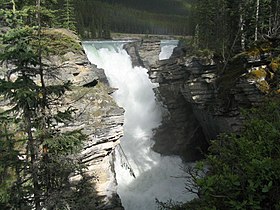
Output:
(142, 174)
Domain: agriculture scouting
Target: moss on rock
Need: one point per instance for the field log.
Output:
(61, 41)
(259, 48)
(263, 86)
(257, 74)
(275, 64)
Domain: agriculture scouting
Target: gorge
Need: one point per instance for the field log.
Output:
(182, 107)
(114, 125)
(175, 110)
(142, 175)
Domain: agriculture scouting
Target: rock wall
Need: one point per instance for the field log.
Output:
(143, 53)
(216, 97)
(180, 132)
(96, 114)
(201, 101)
(100, 119)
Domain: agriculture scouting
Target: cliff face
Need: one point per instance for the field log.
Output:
(96, 114)
(180, 132)
(201, 101)
(100, 119)
(217, 109)
(143, 53)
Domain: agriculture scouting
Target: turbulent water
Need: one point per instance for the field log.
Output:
(142, 174)
(167, 47)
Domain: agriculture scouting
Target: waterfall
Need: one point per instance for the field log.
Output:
(142, 174)
(167, 47)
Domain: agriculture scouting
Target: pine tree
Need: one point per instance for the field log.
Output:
(32, 147)
(68, 15)
(228, 28)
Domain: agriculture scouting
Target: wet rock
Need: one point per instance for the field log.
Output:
(180, 132)
(143, 53)
(133, 50)
(200, 101)
(217, 105)
(99, 118)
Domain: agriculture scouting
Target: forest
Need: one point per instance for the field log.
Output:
(228, 28)
(97, 19)
(36, 158)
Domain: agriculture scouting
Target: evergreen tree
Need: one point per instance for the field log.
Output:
(226, 28)
(68, 15)
(32, 147)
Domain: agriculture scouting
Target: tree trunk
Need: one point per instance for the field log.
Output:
(243, 37)
(14, 6)
(33, 149)
(68, 14)
(44, 93)
(276, 21)
(257, 19)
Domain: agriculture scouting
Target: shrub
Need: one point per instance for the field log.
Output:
(243, 171)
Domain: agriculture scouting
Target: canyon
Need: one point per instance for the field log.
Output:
(198, 107)
(198, 103)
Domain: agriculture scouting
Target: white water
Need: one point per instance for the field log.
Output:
(167, 47)
(155, 175)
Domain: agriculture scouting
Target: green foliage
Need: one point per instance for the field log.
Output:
(79, 196)
(59, 43)
(68, 15)
(64, 144)
(17, 47)
(8, 162)
(228, 28)
(96, 19)
(171, 205)
(46, 15)
(36, 158)
(243, 172)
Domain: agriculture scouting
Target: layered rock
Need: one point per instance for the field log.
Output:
(99, 118)
(180, 132)
(96, 115)
(217, 97)
(202, 100)
(143, 53)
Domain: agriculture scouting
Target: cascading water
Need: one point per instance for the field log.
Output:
(167, 47)
(142, 174)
